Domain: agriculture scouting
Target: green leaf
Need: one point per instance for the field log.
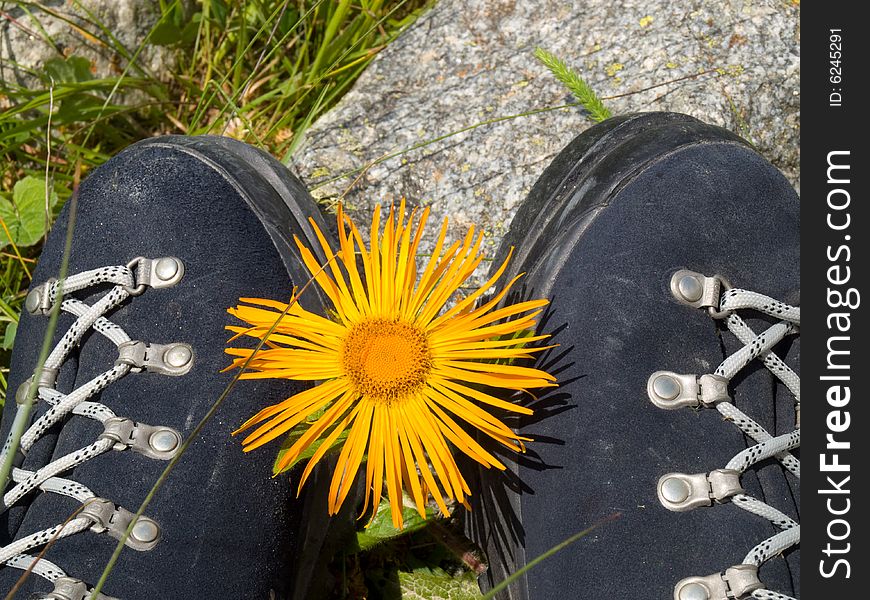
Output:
(308, 453)
(190, 30)
(381, 528)
(218, 11)
(25, 215)
(9, 336)
(75, 109)
(165, 33)
(72, 69)
(173, 25)
(423, 584)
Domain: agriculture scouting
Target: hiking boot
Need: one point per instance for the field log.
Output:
(669, 250)
(166, 236)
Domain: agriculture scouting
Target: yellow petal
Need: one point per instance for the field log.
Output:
(405, 367)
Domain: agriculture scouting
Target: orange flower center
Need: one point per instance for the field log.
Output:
(386, 360)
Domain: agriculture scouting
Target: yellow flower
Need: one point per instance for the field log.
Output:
(398, 369)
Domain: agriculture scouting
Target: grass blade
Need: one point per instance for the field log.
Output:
(576, 84)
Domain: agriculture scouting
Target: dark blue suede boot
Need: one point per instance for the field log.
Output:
(669, 249)
(168, 235)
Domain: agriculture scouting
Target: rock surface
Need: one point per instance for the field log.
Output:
(733, 63)
(62, 28)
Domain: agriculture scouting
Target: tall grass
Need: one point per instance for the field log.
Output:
(258, 70)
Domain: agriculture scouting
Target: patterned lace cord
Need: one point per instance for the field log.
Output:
(98, 515)
(679, 492)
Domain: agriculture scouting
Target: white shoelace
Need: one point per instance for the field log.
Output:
(680, 492)
(96, 514)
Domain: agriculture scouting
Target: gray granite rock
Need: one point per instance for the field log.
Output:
(734, 63)
(24, 36)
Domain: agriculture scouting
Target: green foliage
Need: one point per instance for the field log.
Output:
(575, 84)
(381, 528)
(423, 584)
(70, 69)
(27, 216)
(426, 559)
(12, 281)
(175, 28)
(264, 70)
(9, 336)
